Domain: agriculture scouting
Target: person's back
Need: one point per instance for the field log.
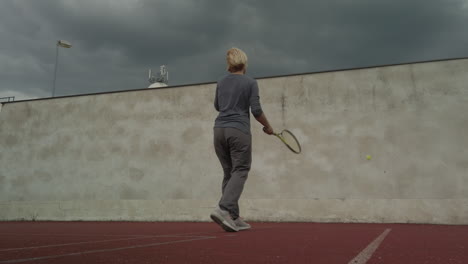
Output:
(235, 95)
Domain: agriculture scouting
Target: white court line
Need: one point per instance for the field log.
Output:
(101, 241)
(94, 242)
(78, 235)
(135, 236)
(366, 253)
(68, 244)
(103, 250)
(103, 235)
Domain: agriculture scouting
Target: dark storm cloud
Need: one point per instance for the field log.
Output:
(339, 34)
(141, 29)
(116, 41)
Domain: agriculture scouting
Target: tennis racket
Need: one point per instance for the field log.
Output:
(288, 138)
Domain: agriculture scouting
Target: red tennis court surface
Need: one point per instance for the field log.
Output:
(143, 242)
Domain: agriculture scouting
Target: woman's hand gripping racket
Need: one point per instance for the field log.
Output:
(288, 138)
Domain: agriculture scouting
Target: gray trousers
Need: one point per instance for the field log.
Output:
(234, 150)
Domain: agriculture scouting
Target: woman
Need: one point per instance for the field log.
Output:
(236, 93)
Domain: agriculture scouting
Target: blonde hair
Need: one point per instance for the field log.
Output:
(236, 60)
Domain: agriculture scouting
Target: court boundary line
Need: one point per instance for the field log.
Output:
(194, 235)
(129, 236)
(367, 252)
(95, 242)
(105, 250)
(77, 235)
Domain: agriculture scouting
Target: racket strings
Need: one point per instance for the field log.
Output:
(291, 141)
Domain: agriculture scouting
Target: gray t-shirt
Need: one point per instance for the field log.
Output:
(235, 94)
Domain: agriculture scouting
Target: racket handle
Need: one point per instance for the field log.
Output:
(264, 130)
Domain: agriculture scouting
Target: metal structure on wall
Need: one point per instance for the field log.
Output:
(7, 99)
(161, 80)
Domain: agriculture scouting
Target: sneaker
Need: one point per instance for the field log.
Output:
(223, 218)
(241, 224)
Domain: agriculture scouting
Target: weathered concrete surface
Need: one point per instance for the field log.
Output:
(148, 155)
(435, 211)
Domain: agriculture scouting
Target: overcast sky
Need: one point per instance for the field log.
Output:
(115, 42)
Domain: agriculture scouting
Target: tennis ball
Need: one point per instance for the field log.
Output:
(368, 157)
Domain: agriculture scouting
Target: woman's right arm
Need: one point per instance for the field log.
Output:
(257, 110)
(216, 105)
(266, 125)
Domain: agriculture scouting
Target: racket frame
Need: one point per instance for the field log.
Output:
(280, 136)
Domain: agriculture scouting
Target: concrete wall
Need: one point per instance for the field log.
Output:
(148, 155)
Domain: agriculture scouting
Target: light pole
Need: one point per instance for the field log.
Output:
(63, 44)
